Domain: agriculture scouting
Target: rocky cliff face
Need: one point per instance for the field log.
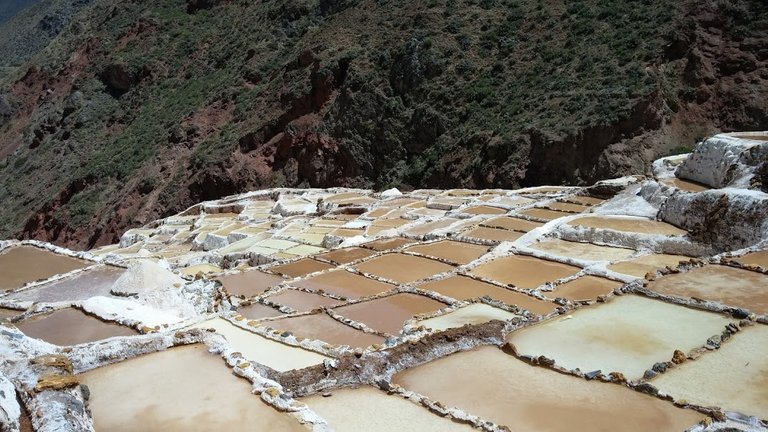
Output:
(139, 109)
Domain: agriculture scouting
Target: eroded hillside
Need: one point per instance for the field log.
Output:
(139, 109)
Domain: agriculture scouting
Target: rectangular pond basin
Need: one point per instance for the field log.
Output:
(347, 255)
(301, 301)
(343, 283)
(524, 271)
(497, 387)
(584, 288)
(403, 268)
(638, 267)
(544, 214)
(512, 223)
(627, 334)
(731, 286)
(387, 243)
(96, 281)
(23, 264)
(249, 283)
(276, 355)
(628, 224)
(495, 235)
(388, 314)
(256, 311)
(71, 327)
(759, 258)
(301, 267)
(428, 227)
(567, 207)
(372, 410)
(453, 251)
(584, 200)
(8, 313)
(686, 185)
(483, 210)
(734, 377)
(475, 313)
(180, 389)
(322, 327)
(464, 288)
(585, 251)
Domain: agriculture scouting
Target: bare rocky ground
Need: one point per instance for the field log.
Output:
(643, 291)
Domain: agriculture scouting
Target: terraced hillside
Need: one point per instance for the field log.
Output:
(139, 109)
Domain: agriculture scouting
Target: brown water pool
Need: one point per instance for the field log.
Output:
(500, 388)
(686, 185)
(464, 288)
(343, 256)
(759, 258)
(344, 283)
(388, 314)
(524, 271)
(256, 311)
(301, 301)
(638, 267)
(322, 327)
(456, 252)
(635, 225)
(730, 286)
(403, 268)
(545, 214)
(23, 264)
(301, 267)
(512, 223)
(71, 327)
(166, 391)
(484, 210)
(249, 283)
(578, 250)
(492, 234)
(388, 243)
(567, 207)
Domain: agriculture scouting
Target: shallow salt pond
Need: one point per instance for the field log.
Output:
(23, 264)
(428, 227)
(686, 185)
(483, 210)
(638, 267)
(476, 313)
(512, 223)
(372, 410)
(301, 267)
(517, 270)
(584, 288)
(257, 311)
(403, 268)
(344, 256)
(166, 391)
(301, 301)
(276, 355)
(71, 327)
(8, 313)
(730, 286)
(388, 314)
(96, 281)
(464, 288)
(322, 327)
(345, 284)
(759, 258)
(628, 335)
(585, 251)
(456, 252)
(568, 207)
(492, 234)
(735, 377)
(249, 283)
(387, 243)
(544, 214)
(628, 224)
(498, 387)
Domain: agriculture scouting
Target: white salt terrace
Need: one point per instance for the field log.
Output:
(310, 292)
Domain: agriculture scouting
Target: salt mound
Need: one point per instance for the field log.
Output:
(145, 276)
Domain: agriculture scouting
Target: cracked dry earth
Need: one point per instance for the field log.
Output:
(541, 309)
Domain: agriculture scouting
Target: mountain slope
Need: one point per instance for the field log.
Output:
(142, 108)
